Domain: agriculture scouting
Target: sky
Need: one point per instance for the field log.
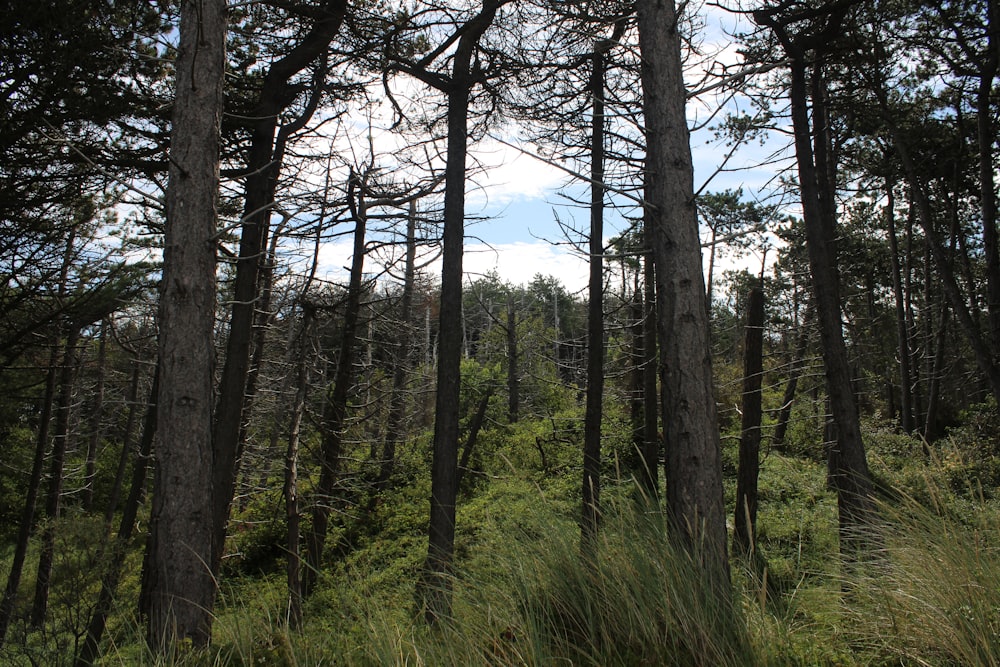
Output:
(514, 205)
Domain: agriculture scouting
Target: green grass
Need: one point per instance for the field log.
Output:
(523, 595)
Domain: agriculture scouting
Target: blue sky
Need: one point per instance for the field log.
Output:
(519, 196)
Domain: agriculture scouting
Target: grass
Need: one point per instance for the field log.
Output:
(523, 595)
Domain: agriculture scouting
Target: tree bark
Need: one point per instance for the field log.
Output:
(111, 577)
(263, 166)
(335, 406)
(182, 588)
(745, 518)
(60, 440)
(592, 418)
(695, 503)
(435, 588)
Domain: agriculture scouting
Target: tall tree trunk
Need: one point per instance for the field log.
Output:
(986, 135)
(851, 476)
(267, 149)
(182, 588)
(111, 577)
(31, 496)
(60, 440)
(695, 503)
(595, 315)
(293, 516)
(396, 422)
(96, 423)
(745, 518)
(335, 406)
(435, 588)
(906, 421)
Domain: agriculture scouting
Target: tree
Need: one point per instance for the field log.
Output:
(466, 73)
(805, 49)
(182, 591)
(269, 138)
(694, 468)
(745, 518)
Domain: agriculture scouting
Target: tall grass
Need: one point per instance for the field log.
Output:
(641, 602)
(935, 600)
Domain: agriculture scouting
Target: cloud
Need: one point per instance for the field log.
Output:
(516, 263)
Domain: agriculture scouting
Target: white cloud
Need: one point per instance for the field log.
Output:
(516, 263)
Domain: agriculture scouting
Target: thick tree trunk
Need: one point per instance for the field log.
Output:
(694, 468)
(745, 518)
(182, 588)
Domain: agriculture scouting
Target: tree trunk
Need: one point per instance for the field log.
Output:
(96, 426)
(293, 516)
(31, 497)
(335, 405)
(182, 588)
(902, 337)
(788, 399)
(853, 483)
(396, 422)
(595, 316)
(474, 427)
(650, 398)
(263, 167)
(745, 518)
(695, 503)
(986, 135)
(435, 588)
(111, 577)
(116, 486)
(60, 440)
